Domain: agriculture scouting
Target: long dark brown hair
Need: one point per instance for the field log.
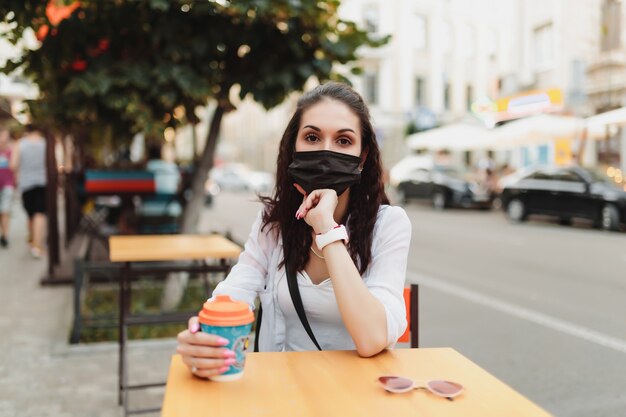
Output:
(365, 197)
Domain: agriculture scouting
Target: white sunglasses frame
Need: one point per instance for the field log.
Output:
(414, 385)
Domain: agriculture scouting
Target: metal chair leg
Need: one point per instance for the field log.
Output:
(122, 337)
(414, 315)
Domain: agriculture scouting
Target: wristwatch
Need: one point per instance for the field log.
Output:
(334, 234)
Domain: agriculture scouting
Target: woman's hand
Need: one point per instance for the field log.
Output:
(203, 353)
(318, 208)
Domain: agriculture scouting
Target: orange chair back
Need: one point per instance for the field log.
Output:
(407, 302)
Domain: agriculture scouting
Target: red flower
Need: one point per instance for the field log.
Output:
(57, 13)
(103, 44)
(79, 65)
(42, 32)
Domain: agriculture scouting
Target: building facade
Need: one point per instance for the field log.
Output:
(14, 89)
(443, 57)
(606, 88)
(453, 59)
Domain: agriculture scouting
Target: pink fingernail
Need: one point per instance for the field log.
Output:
(222, 341)
(229, 354)
(194, 328)
(223, 369)
(230, 361)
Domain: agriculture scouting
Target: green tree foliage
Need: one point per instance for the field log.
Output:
(118, 67)
(143, 65)
(112, 68)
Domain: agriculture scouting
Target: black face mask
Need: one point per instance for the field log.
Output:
(316, 170)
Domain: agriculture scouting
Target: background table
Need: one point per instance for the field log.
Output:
(138, 248)
(159, 248)
(339, 383)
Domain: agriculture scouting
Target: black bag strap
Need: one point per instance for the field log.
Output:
(294, 292)
(257, 329)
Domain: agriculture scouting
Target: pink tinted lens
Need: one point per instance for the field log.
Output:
(445, 388)
(396, 382)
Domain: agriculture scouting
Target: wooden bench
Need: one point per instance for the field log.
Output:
(106, 182)
(128, 184)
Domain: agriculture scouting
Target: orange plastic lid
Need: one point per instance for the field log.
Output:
(224, 311)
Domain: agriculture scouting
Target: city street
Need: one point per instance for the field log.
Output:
(540, 306)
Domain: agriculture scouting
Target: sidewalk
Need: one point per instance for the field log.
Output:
(40, 373)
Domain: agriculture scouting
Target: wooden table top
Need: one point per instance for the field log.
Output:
(141, 248)
(340, 383)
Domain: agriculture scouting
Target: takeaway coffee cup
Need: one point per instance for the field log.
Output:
(232, 320)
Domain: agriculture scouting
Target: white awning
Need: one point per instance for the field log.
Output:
(454, 137)
(597, 125)
(613, 117)
(542, 128)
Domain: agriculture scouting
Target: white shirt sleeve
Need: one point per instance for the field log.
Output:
(386, 274)
(248, 277)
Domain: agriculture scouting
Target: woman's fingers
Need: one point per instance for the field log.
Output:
(307, 204)
(200, 338)
(193, 324)
(206, 368)
(207, 373)
(301, 212)
(300, 189)
(314, 199)
(204, 351)
(207, 364)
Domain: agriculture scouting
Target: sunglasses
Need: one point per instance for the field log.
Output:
(400, 384)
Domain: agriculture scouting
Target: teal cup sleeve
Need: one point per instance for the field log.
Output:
(238, 340)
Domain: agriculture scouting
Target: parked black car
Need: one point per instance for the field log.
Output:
(566, 193)
(444, 186)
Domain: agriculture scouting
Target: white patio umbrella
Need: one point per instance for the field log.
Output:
(454, 137)
(596, 125)
(538, 129)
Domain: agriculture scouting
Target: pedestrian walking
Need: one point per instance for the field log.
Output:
(327, 254)
(28, 162)
(7, 185)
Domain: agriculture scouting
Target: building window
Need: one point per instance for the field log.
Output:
(467, 158)
(371, 18)
(543, 43)
(469, 97)
(421, 35)
(611, 25)
(371, 87)
(420, 85)
(446, 96)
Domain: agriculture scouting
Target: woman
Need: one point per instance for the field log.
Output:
(329, 174)
(7, 185)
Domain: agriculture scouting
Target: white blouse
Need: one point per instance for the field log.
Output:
(322, 312)
(257, 274)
